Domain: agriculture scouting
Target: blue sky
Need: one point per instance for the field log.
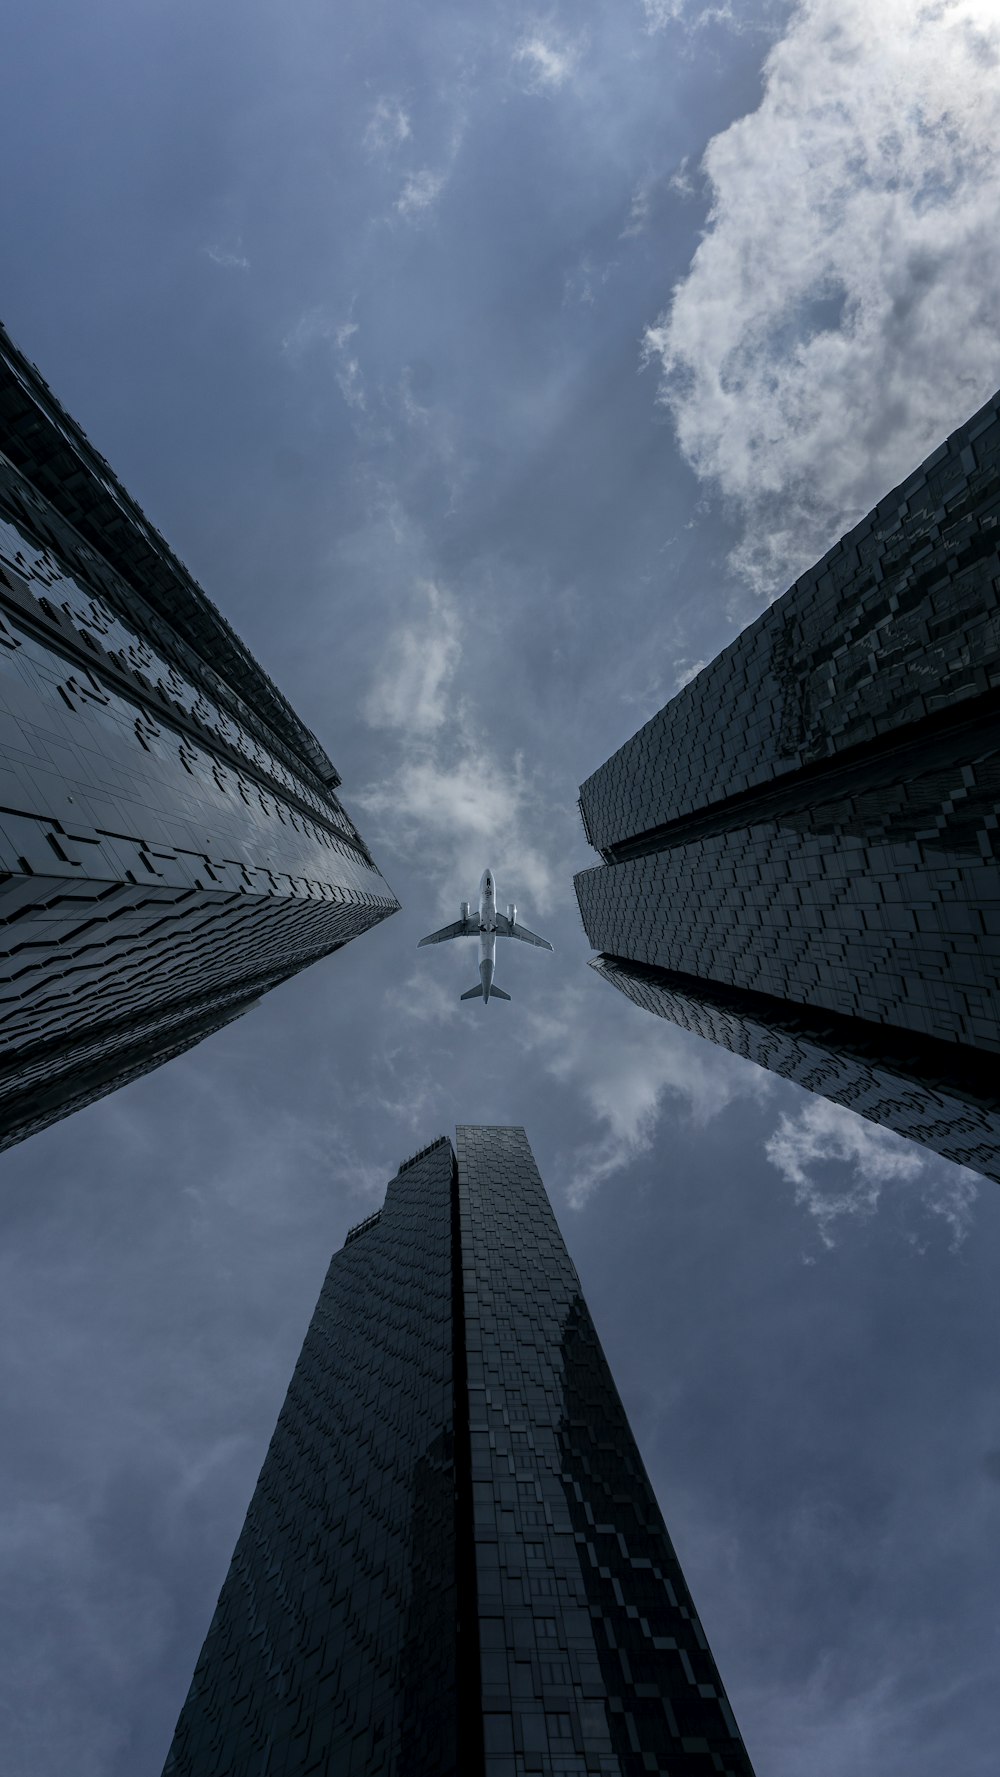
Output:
(491, 369)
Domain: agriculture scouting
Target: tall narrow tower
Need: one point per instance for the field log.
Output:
(453, 1564)
(171, 841)
(802, 850)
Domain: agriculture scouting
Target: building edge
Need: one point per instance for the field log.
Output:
(924, 1088)
(45, 443)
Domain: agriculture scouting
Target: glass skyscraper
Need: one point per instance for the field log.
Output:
(171, 840)
(453, 1563)
(802, 849)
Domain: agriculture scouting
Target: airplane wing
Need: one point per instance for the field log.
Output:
(462, 928)
(506, 930)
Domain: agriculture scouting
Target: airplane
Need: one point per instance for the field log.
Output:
(488, 927)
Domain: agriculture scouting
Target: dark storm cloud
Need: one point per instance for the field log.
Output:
(354, 304)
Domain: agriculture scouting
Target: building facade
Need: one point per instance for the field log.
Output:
(453, 1563)
(801, 850)
(171, 840)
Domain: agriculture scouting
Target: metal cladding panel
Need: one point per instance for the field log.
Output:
(49, 1080)
(453, 1560)
(593, 1658)
(43, 441)
(896, 623)
(167, 852)
(332, 1649)
(881, 931)
(815, 819)
(916, 1093)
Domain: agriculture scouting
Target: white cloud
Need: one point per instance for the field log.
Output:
(686, 671)
(839, 1165)
(400, 1093)
(318, 327)
(648, 195)
(422, 186)
(548, 62)
(432, 429)
(229, 260)
(951, 1193)
(445, 793)
(387, 128)
(315, 326)
(447, 798)
(350, 378)
(630, 1070)
(640, 209)
(412, 685)
(661, 13)
(454, 796)
(822, 1133)
(693, 16)
(349, 375)
(420, 192)
(578, 285)
(842, 311)
(414, 412)
(584, 283)
(425, 998)
(682, 179)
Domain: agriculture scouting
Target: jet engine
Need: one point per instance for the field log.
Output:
(465, 909)
(512, 914)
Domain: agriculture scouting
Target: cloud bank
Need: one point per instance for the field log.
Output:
(420, 192)
(414, 676)
(630, 1077)
(388, 127)
(444, 795)
(548, 61)
(805, 1147)
(842, 312)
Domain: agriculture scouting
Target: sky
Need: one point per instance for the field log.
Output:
(491, 368)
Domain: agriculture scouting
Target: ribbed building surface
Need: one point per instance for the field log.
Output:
(930, 1092)
(811, 826)
(171, 843)
(453, 1562)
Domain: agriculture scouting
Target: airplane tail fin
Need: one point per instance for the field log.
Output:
(474, 993)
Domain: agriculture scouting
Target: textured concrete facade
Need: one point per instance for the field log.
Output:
(453, 1560)
(171, 844)
(812, 823)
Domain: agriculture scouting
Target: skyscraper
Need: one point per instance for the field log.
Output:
(171, 841)
(453, 1561)
(801, 850)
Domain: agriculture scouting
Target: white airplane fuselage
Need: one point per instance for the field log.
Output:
(487, 931)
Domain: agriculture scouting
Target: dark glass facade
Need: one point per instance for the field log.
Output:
(171, 840)
(453, 1561)
(806, 837)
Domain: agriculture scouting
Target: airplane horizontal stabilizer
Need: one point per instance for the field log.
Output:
(474, 993)
(497, 993)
